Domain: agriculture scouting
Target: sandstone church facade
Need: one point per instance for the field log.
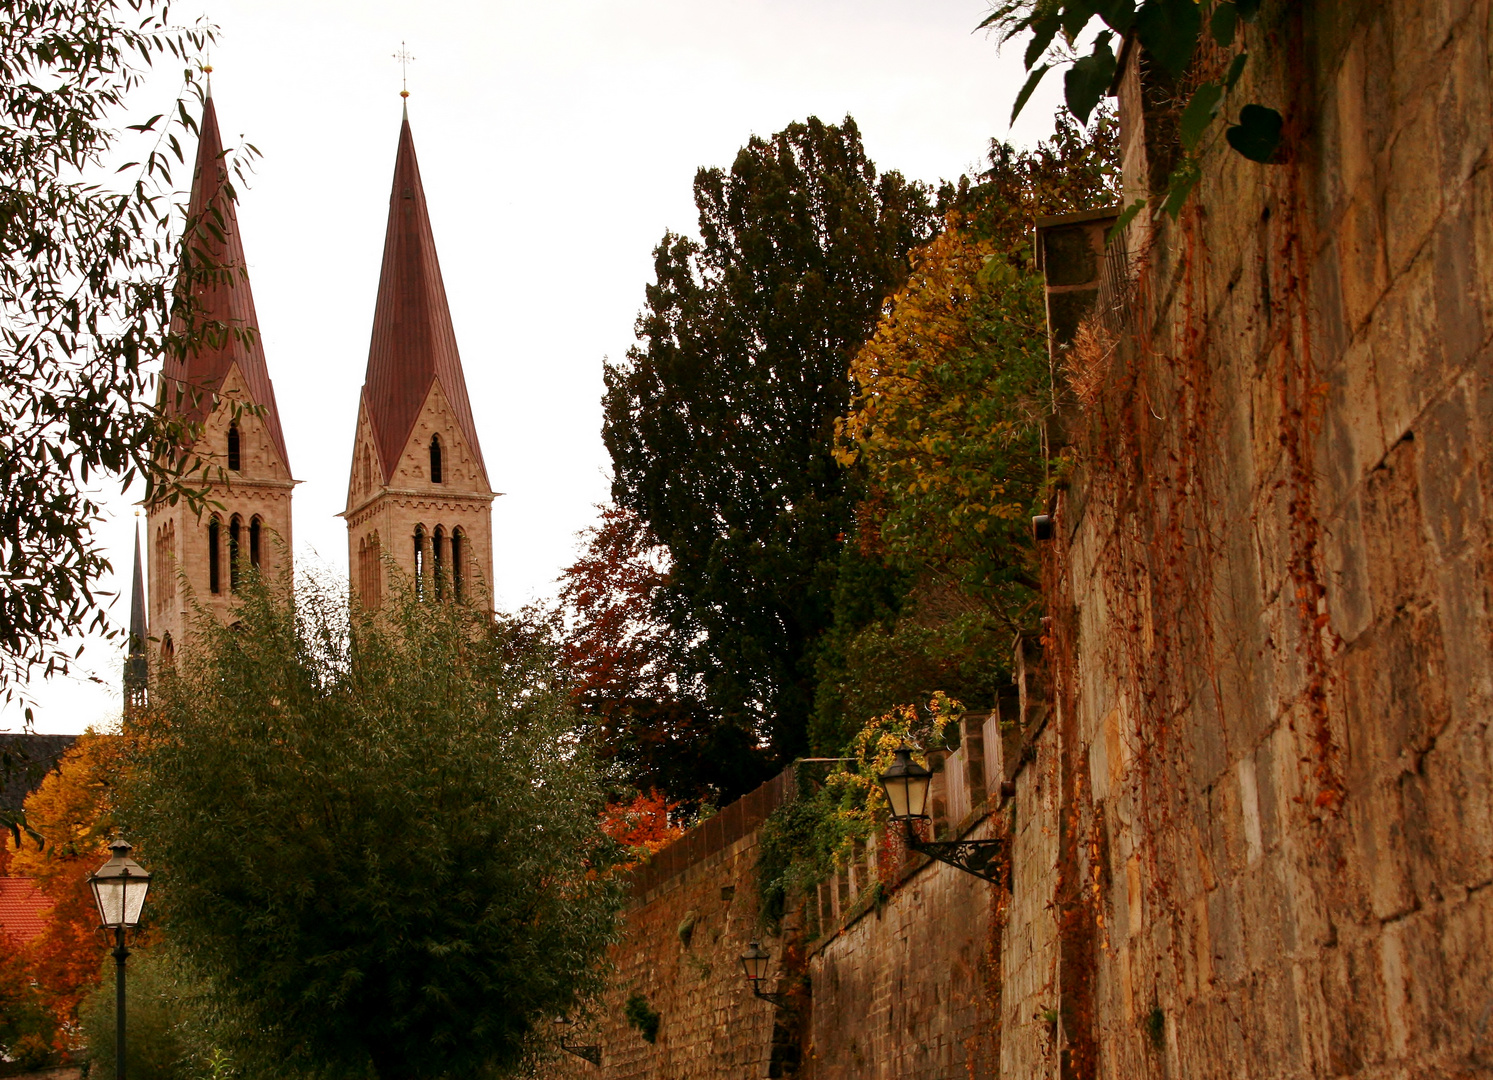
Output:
(418, 499)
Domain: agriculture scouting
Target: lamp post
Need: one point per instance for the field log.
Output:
(590, 1053)
(119, 888)
(906, 785)
(754, 964)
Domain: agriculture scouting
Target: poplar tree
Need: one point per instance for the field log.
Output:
(375, 841)
(720, 421)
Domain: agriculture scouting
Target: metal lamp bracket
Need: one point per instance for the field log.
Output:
(972, 856)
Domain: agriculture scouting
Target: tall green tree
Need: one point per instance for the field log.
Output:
(87, 258)
(946, 430)
(720, 422)
(376, 842)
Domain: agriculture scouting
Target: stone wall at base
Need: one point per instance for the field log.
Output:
(1250, 802)
(906, 990)
(683, 939)
(1271, 589)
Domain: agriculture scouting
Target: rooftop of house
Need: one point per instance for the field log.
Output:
(23, 909)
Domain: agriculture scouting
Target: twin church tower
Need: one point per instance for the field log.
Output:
(418, 496)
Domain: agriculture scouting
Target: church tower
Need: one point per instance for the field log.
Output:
(419, 494)
(222, 384)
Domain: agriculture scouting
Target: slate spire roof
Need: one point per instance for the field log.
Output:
(414, 343)
(136, 669)
(215, 272)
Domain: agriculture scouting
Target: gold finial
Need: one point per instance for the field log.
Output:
(404, 58)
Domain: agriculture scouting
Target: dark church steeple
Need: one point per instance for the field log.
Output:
(419, 491)
(219, 384)
(136, 663)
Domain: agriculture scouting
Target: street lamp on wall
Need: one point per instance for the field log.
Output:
(591, 1053)
(754, 965)
(906, 785)
(119, 888)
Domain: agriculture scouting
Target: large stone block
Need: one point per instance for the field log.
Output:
(1394, 531)
(1377, 816)
(1354, 1007)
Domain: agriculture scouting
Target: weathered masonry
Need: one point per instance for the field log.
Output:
(1251, 832)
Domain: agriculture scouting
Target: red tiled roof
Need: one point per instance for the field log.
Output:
(23, 909)
(222, 295)
(413, 342)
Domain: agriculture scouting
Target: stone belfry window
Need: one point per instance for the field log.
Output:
(235, 459)
(458, 550)
(438, 559)
(235, 533)
(436, 472)
(214, 559)
(419, 562)
(254, 531)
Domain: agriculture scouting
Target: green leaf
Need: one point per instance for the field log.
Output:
(1026, 90)
(1224, 23)
(1235, 70)
(1075, 16)
(1089, 78)
(1123, 221)
(1199, 113)
(1119, 14)
(1169, 30)
(1257, 134)
(1184, 178)
(1043, 32)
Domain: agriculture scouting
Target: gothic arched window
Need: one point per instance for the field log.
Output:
(458, 553)
(435, 460)
(419, 562)
(168, 651)
(255, 527)
(214, 559)
(235, 459)
(235, 527)
(438, 553)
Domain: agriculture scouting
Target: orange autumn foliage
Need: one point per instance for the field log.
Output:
(73, 811)
(643, 824)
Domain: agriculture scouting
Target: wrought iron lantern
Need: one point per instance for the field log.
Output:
(754, 965)
(119, 888)
(590, 1052)
(906, 785)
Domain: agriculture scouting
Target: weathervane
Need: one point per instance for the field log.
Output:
(404, 58)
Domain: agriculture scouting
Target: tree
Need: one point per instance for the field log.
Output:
(70, 819)
(644, 720)
(643, 824)
(85, 303)
(720, 422)
(946, 427)
(376, 842)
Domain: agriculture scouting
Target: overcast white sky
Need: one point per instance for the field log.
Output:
(557, 140)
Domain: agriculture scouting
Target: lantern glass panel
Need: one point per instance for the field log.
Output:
(754, 962)
(917, 795)
(906, 786)
(896, 794)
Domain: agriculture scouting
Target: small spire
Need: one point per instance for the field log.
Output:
(136, 668)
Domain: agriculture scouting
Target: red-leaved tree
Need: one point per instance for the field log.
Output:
(643, 719)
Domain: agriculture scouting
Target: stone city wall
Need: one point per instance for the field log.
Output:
(1270, 587)
(1246, 785)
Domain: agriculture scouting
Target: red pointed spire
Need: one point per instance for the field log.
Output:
(414, 343)
(221, 296)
